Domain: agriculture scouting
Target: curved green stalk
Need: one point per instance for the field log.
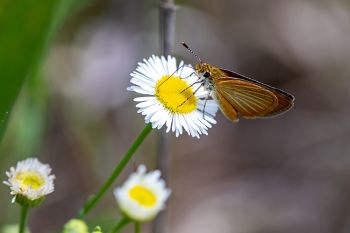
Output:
(91, 202)
(122, 223)
(137, 227)
(23, 220)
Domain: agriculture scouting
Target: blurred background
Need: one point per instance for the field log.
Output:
(287, 174)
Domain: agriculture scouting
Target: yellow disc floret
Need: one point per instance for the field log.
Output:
(143, 196)
(175, 94)
(30, 179)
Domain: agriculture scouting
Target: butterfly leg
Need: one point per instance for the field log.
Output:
(205, 103)
(173, 75)
(188, 75)
(191, 86)
(195, 91)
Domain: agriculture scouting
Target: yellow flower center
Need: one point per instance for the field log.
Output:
(175, 94)
(30, 179)
(143, 196)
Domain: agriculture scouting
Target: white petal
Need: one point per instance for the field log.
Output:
(144, 98)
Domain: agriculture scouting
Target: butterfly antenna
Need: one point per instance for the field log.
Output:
(188, 48)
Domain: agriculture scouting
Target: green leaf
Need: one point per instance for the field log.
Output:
(26, 27)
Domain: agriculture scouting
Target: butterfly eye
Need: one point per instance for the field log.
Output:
(206, 74)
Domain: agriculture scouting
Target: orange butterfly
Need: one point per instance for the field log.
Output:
(238, 95)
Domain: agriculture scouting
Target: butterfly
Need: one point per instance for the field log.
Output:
(238, 95)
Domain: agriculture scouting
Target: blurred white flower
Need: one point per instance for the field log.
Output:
(143, 195)
(30, 180)
(173, 98)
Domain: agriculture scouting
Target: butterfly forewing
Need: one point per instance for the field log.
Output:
(248, 99)
(285, 100)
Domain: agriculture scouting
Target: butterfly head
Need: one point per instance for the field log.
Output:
(204, 70)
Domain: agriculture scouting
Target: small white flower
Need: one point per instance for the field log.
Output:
(143, 195)
(173, 98)
(30, 179)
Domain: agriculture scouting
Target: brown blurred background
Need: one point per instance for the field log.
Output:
(287, 174)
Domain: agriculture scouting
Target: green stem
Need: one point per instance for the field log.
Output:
(137, 227)
(122, 223)
(91, 202)
(23, 220)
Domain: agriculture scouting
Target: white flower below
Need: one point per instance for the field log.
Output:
(30, 179)
(174, 97)
(143, 195)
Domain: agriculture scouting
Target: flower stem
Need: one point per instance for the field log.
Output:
(137, 227)
(23, 220)
(91, 202)
(122, 223)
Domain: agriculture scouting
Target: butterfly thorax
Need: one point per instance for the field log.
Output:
(209, 75)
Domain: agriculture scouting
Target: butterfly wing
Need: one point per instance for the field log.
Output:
(285, 100)
(226, 107)
(248, 99)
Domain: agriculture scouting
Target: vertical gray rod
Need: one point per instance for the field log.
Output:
(167, 34)
(167, 26)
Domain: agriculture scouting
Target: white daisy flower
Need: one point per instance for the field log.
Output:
(30, 180)
(143, 195)
(173, 98)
